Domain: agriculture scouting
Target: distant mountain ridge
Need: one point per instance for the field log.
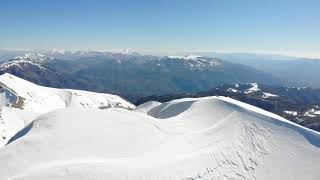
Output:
(132, 75)
(301, 71)
(35, 59)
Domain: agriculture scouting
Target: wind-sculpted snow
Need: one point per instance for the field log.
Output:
(146, 107)
(43, 99)
(33, 100)
(203, 138)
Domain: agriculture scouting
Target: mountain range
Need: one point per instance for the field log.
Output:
(131, 75)
(298, 71)
(141, 78)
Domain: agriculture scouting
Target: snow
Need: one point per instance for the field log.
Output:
(37, 100)
(43, 99)
(122, 51)
(30, 58)
(61, 51)
(254, 88)
(301, 88)
(187, 57)
(13, 120)
(190, 138)
(317, 112)
(71, 134)
(293, 113)
(312, 113)
(146, 107)
(268, 95)
(232, 90)
(194, 62)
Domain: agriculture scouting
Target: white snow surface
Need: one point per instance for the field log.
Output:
(254, 88)
(232, 90)
(68, 54)
(187, 57)
(268, 95)
(317, 112)
(38, 100)
(195, 62)
(31, 58)
(190, 138)
(312, 113)
(146, 107)
(44, 99)
(293, 113)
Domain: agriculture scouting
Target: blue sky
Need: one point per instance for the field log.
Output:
(163, 25)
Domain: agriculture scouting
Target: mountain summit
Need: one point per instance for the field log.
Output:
(193, 138)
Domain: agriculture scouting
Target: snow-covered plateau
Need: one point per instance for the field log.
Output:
(190, 138)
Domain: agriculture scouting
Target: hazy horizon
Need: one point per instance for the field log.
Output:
(273, 27)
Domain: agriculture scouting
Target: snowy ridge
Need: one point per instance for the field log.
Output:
(312, 113)
(34, 100)
(187, 57)
(69, 51)
(191, 138)
(293, 113)
(43, 99)
(195, 62)
(254, 88)
(268, 95)
(31, 58)
(146, 107)
(68, 54)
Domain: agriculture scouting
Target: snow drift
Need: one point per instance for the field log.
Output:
(32, 100)
(203, 138)
(43, 99)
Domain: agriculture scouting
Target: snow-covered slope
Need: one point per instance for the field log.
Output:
(43, 99)
(33, 100)
(194, 62)
(146, 107)
(203, 138)
(29, 58)
(67, 54)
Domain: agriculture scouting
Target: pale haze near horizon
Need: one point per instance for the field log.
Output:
(273, 27)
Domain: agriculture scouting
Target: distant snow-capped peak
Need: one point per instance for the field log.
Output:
(123, 51)
(67, 54)
(35, 58)
(195, 62)
(97, 51)
(31, 58)
(61, 51)
(187, 57)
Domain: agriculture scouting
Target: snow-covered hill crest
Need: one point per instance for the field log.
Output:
(192, 138)
(25, 101)
(43, 99)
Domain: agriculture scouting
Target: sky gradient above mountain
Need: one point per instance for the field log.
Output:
(289, 27)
